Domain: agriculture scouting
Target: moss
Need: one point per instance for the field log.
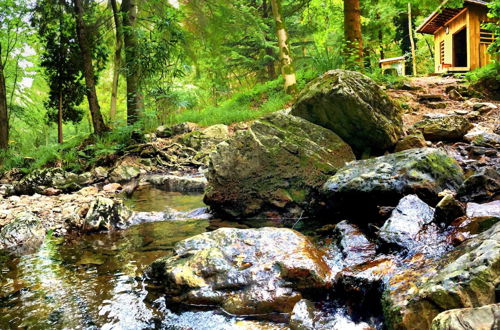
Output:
(392, 314)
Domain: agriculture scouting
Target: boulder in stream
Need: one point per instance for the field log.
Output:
(383, 181)
(243, 271)
(466, 277)
(353, 106)
(273, 168)
(106, 214)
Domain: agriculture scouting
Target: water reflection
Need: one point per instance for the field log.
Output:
(91, 282)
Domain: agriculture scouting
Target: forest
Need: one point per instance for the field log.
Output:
(250, 164)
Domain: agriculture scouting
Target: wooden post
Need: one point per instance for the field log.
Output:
(412, 42)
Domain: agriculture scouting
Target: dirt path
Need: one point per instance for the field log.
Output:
(410, 97)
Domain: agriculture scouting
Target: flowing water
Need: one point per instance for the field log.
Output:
(94, 281)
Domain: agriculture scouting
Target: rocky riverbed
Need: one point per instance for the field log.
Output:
(356, 209)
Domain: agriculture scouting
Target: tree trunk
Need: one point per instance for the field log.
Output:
(88, 71)
(129, 7)
(287, 69)
(271, 71)
(4, 116)
(352, 31)
(60, 119)
(412, 42)
(117, 61)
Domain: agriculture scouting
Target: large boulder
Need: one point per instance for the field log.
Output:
(243, 271)
(446, 128)
(383, 181)
(275, 166)
(353, 106)
(480, 318)
(463, 278)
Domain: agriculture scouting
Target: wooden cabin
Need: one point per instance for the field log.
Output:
(460, 42)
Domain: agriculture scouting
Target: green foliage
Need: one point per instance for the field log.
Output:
(491, 71)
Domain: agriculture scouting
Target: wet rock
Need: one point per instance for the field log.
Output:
(306, 316)
(463, 278)
(407, 221)
(448, 209)
(411, 141)
(483, 139)
(448, 128)
(354, 245)
(124, 173)
(276, 166)
(485, 317)
(39, 180)
(491, 209)
(383, 181)
(354, 107)
(244, 271)
(106, 214)
(24, 232)
(178, 183)
(481, 186)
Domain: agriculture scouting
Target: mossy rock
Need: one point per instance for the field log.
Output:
(275, 166)
(353, 106)
(383, 181)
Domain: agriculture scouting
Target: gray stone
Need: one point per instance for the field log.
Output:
(106, 214)
(22, 233)
(447, 128)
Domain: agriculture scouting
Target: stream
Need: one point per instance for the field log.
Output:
(95, 281)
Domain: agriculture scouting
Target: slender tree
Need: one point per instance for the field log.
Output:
(88, 69)
(117, 59)
(129, 8)
(352, 32)
(287, 69)
(412, 42)
(4, 117)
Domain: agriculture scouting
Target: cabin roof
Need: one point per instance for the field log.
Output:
(392, 59)
(442, 15)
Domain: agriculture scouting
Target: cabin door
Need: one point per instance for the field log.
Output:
(460, 49)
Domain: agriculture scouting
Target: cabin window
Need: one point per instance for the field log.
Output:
(486, 36)
(460, 49)
(441, 52)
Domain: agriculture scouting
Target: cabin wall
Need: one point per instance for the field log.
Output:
(457, 24)
(478, 50)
